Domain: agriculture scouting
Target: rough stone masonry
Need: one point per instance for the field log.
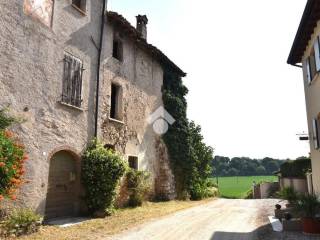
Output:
(40, 85)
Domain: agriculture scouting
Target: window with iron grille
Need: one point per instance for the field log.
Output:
(72, 81)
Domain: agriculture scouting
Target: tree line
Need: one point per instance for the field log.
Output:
(244, 166)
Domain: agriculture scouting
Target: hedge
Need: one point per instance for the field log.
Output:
(296, 168)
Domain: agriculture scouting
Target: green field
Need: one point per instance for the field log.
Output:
(236, 187)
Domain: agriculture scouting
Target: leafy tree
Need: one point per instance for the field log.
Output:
(244, 166)
(189, 156)
(233, 172)
(261, 170)
(201, 158)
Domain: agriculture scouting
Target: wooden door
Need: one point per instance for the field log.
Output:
(62, 186)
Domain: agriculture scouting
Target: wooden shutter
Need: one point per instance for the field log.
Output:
(66, 88)
(72, 82)
(315, 134)
(308, 70)
(78, 89)
(317, 54)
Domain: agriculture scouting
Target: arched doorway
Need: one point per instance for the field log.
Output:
(63, 186)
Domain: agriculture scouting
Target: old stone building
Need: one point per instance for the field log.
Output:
(49, 73)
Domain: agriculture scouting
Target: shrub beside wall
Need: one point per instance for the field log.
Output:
(101, 171)
(20, 222)
(139, 185)
(189, 156)
(12, 158)
(296, 168)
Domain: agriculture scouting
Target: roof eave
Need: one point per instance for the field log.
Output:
(308, 22)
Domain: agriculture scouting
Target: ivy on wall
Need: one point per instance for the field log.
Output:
(189, 157)
(177, 139)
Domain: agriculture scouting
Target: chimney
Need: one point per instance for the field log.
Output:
(142, 22)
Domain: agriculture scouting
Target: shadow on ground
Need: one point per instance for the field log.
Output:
(66, 222)
(262, 233)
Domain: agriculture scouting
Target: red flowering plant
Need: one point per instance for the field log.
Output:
(12, 158)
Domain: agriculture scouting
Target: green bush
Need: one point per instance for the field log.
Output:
(308, 205)
(201, 191)
(249, 194)
(296, 168)
(5, 120)
(288, 193)
(12, 158)
(139, 186)
(211, 183)
(20, 222)
(101, 172)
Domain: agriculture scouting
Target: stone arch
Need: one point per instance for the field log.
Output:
(63, 192)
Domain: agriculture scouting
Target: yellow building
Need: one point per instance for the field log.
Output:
(305, 53)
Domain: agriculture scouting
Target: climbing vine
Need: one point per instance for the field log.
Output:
(189, 156)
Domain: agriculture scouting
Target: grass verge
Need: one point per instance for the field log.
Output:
(122, 220)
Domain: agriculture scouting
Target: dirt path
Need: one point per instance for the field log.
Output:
(221, 219)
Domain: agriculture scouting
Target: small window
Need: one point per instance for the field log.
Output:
(313, 61)
(315, 133)
(133, 162)
(116, 99)
(317, 53)
(72, 81)
(110, 147)
(41, 10)
(80, 5)
(117, 51)
(311, 67)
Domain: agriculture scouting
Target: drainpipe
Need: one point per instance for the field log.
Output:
(98, 68)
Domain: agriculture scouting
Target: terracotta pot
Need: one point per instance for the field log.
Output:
(311, 226)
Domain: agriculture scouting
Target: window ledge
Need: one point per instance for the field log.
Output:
(71, 106)
(79, 10)
(115, 120)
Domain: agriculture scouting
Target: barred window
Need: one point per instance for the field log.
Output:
(72, 80)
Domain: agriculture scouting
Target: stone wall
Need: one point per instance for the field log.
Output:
(31, 71)
(140, 78)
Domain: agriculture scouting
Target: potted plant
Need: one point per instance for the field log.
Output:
(309, 205)
(278, 206)
(289, 194)
(277, 211)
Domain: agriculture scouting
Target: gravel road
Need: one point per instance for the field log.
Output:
(221, 219)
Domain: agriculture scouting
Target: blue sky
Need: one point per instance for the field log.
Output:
(248, 101)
